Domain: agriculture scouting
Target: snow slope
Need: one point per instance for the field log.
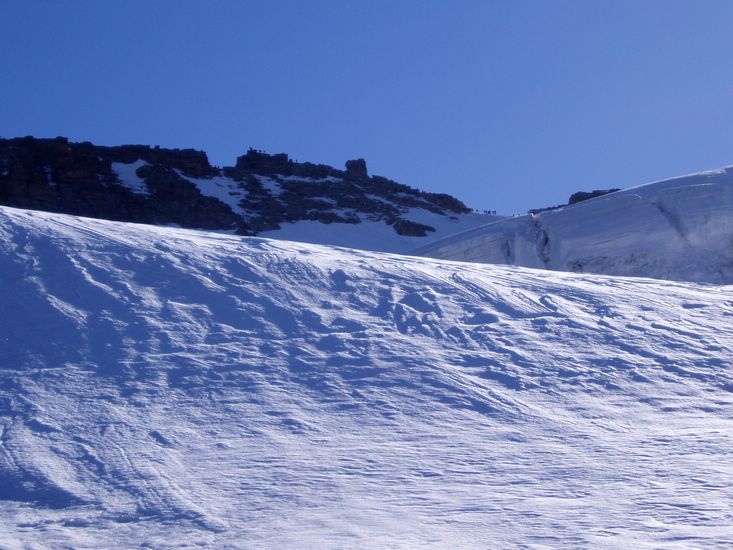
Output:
(162, 387)
(678, 229)
(376, 235)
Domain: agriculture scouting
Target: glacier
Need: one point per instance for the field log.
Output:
(162, 387)
(676, 229)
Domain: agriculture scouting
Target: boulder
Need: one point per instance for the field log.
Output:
(356, 168)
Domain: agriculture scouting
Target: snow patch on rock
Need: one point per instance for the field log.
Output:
(126, 173)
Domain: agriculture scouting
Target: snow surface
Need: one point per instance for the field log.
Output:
(128, 178)
(678, 229)
(169, 388)
(377, 236)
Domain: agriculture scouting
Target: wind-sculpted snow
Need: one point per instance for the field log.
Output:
(678, 229)
(162, 387)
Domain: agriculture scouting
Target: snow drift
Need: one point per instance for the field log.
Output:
(678, 229)
(165, 387)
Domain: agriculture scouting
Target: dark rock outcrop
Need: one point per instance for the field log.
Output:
(585, 195)
(575, 198)
(266, 190)
(77, 178)
(411, 229)
(356, 168)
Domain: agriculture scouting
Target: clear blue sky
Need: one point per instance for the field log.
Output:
(506, 104)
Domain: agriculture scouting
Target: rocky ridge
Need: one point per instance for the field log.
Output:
(139, 183)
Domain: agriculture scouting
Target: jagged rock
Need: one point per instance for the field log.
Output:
(81, 179)
(259, 161)
(356, 168)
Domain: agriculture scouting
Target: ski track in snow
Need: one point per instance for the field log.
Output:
(162, 387)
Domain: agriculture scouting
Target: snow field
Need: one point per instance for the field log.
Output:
(162, 387)
(677, 229)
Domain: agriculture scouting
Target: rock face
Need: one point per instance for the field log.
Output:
(581, 196)
(356, 168)
(144, 184)
(77, 178)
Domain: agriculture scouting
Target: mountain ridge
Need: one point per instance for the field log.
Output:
(261, 192)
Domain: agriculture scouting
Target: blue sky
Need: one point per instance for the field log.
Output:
(507, 105)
